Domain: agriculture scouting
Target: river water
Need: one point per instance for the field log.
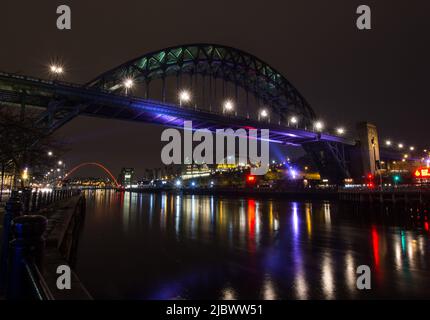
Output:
(167, 246)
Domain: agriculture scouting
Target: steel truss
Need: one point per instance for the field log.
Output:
(216, 62)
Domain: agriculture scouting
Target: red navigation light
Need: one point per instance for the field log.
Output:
(250, 179)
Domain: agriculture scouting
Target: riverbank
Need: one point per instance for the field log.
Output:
(64, 222)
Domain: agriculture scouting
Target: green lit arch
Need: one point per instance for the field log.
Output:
(230, 64)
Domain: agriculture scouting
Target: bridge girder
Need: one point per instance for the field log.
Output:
(219, 62)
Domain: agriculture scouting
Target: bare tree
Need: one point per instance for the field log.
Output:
(24, 144)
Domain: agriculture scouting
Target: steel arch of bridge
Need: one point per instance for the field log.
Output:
(84, 164)
(217, 62)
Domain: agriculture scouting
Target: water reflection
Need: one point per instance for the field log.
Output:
(162, 246)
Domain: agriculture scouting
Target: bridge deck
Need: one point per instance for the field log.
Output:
(77, 99)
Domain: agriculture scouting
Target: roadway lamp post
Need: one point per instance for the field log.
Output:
(128, 84)
(56, 70)
(184, 96)
(263, 114)
(318, 126)
(293, 120)
(228, 106)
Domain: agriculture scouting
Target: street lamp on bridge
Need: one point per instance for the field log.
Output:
(293, 120)
(128, 84)
(263, 114)
(228, 106)
(56, 70)
(184, 96)
(340, 131)
(318, 125)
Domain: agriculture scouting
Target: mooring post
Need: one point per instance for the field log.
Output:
(26, 250)
(13, 209)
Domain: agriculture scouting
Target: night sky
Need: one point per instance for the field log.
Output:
(346, 75)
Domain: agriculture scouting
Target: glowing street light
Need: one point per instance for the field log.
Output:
(228, 105)
(50, 153)
(184, 96)
(128, 83)
(340, 131)
(25, 174)
(60, 163)
(263, 114)
(56, 69)
(388, 143)
(400, 145)
(293, 120)
(318, 125)
(412, 148)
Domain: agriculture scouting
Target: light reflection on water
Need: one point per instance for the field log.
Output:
(162, 246)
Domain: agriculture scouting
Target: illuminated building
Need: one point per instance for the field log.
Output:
(126, 176)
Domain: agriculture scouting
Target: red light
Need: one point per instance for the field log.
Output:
(250, 178)
(422, 173)
(370, 176)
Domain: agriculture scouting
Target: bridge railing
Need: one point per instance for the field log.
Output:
(34, 200)
(59, 83)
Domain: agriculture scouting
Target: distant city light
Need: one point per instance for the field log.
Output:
(25, 174)
(293, 173)
(400, 145)
(412, 148)
(50, 153)
(60, 163)
(178, 183)
(388, 143)
(293, 120)
(193, 184)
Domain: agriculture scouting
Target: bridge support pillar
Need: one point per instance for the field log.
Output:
(369, 148)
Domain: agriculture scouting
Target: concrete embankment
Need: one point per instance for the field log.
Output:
(60, 235)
